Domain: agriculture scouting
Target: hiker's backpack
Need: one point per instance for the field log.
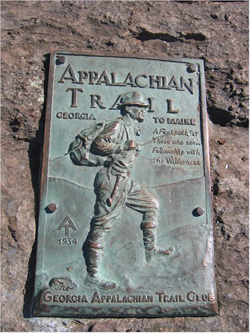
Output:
(79, 149)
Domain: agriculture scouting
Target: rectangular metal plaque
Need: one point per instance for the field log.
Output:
(125, 226)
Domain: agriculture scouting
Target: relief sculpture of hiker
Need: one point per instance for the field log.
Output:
(113, 145)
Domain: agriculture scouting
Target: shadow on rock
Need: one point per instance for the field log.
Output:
(35, 158)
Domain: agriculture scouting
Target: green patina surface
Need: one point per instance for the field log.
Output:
(173, 165)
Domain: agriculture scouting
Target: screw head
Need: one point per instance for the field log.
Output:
(51, 208)
(61, 59)
(200, 211)
(192, 68)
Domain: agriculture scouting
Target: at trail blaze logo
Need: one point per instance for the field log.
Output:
(67, 223)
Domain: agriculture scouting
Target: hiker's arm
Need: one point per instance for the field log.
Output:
(107, 142)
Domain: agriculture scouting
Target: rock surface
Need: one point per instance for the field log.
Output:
(214, 31)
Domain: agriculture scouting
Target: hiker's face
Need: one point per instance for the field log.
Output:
(136, 112)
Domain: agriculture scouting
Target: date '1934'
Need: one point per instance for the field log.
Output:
(67, 241)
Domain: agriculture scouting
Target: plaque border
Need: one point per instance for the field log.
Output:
(210, 309)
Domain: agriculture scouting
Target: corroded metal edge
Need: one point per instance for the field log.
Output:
(123, 55)
(44, 167)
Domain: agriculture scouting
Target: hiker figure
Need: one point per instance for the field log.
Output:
(116, 148)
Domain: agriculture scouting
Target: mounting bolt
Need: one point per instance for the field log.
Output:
(61, 59)
(200, 211)
(51, 208)
(192, 68)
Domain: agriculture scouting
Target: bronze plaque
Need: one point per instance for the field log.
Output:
(125, 227)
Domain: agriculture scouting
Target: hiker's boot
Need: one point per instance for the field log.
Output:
(99, 282)
(94, 277)
(149, 239)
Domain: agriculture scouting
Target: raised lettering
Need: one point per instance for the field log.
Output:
(74, 96)
(96, 298)
(113, 299)
(191, 296)
(55, 298)
(185, 84)
(82, 76)
(130, 298)
(211, 297)
(153, 80)
(170, 106)
(124, 300)
(84, 299)
(47, 296)
(103, 79)
(92, 77)
(137, 298)
(61, 298)
(174, 84)
(140, 85)
(151, 104)
(172, 299)
(150, 298)
(113, 80)
(129, 80)
(116, 104)
(69, 70)
(96, 99)
(77, 115)
(69, 299)
(160, 295)
(118, 299)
